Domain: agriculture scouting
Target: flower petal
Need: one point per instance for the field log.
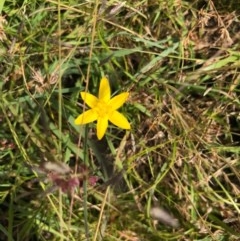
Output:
(89, 99)
(119, 120)
(102, 125)
(86, 117)
(118, 100)
(104, 90)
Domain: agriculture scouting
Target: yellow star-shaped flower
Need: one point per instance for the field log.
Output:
(103, 109)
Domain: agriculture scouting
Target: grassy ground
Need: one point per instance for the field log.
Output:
(180, 62)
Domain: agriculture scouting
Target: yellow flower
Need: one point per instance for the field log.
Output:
(103, 109)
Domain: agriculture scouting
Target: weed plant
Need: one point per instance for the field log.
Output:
(179, 60)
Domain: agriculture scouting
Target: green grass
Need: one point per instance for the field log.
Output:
(180, 62)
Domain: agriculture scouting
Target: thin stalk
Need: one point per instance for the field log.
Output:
(85, 194)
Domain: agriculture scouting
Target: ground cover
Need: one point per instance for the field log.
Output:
(174, 175)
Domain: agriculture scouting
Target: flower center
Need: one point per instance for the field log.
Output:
(103, 109)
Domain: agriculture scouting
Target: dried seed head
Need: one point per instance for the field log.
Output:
(57, 167)
(164, 217)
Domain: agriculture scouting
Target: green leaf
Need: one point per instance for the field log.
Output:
(1, 5)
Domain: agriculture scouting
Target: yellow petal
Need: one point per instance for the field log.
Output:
(104, 90)
(119, 120)
(118, 100)
(86, 117)
(102, 125)
(89, 99)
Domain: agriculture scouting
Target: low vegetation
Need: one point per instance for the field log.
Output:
(174, 175)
